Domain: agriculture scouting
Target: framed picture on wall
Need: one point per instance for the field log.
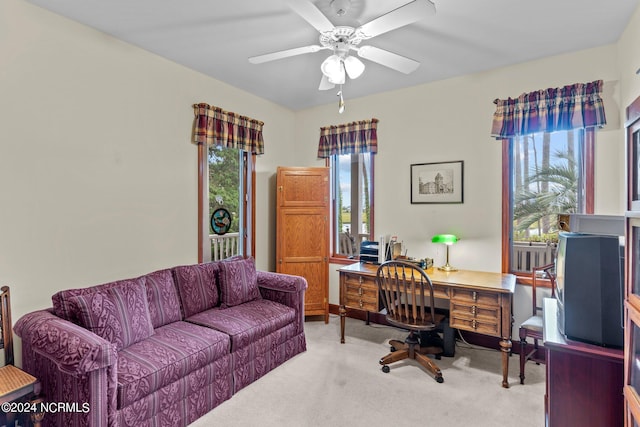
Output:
(437, 182)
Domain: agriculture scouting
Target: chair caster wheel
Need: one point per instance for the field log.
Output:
(440, 380)
(385, 369)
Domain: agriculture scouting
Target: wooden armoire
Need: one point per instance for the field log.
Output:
(302, 227)
(632, 269)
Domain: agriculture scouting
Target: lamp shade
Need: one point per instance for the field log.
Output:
(354, 67)
(333, 68)
(447, 239)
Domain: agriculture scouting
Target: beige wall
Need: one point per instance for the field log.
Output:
(98, 178)
(451, 120)
(97, 174)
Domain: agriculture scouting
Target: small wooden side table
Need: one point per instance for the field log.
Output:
(15, 384)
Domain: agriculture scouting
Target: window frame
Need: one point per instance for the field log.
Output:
(589, 184)
(335, 257)
(248, 205)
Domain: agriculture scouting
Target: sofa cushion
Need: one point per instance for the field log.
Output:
(197, 286)
(162, 295)
(238, 281)
(246, 323)
(118, 314)
(65, 307)
(174, 351)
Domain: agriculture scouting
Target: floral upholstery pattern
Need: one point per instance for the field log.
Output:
(289, 291)
(261, 356)
(238, 281)
(174, 351)
(197, 287)
(118, 314)
(72, 364)
(183, 401)
(186, 367)
(247, 322)
(162, 295)
(65, 307)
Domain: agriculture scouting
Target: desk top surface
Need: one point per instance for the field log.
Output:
(501, 282)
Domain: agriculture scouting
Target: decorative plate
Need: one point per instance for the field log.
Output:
(220, 221)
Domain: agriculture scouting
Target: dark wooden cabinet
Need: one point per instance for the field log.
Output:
(302, 226)
(584, 381)
(632, 270)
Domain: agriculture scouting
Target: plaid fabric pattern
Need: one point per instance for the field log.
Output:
(570, 107)
(349, 138)
(215, 126)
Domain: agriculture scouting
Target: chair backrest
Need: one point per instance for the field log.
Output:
(6, 334)
(406, 292)
(542, 272)
(347, 246)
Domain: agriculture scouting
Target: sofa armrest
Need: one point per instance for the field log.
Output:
(281, 282)
(73, 349)
(285, 289)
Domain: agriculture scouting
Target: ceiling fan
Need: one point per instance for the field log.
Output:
(341, 40)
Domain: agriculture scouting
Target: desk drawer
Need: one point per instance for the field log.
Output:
(354, 280)
(480, 325)
(361, 292)
(361, 303)
(475, 297)
(475, 311)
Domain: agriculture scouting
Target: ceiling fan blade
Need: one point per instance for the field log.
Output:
(284, 54)
(310, 13)
(325, 84)
(388, 59)
(404, 15)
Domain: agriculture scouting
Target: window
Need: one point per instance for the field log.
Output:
(549, 174)
(226, 179)
(352, 203)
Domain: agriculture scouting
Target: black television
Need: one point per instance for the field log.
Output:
(590, 283)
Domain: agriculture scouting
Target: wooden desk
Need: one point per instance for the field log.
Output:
(584, 381)
(479, 301)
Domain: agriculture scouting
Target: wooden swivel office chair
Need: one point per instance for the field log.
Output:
(407, 294)
(532, 327)
(15, 384)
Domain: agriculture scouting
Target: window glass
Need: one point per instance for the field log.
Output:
(352, 177)
(547, 179)
(227, 177)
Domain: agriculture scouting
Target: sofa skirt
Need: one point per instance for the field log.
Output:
(259, 357)
(183, 401)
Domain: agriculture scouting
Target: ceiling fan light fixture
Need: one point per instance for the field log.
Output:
(333, 68)
(339, 78)
(354, 67)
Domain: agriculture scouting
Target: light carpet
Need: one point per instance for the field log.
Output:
(341, 384)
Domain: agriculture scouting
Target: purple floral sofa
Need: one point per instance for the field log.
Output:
(165, 348)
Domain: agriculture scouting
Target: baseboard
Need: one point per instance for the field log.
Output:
(470, 337)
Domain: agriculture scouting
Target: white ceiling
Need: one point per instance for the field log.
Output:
(216, 37)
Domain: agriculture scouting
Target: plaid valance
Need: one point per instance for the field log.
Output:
(349, 138)
(570, 107)
(214, 126)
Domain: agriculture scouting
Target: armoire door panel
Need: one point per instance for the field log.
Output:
(304, 233)
(300, 187)
(302, 223)
(314, 272)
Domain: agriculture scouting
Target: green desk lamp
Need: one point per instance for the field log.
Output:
(447, 239)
